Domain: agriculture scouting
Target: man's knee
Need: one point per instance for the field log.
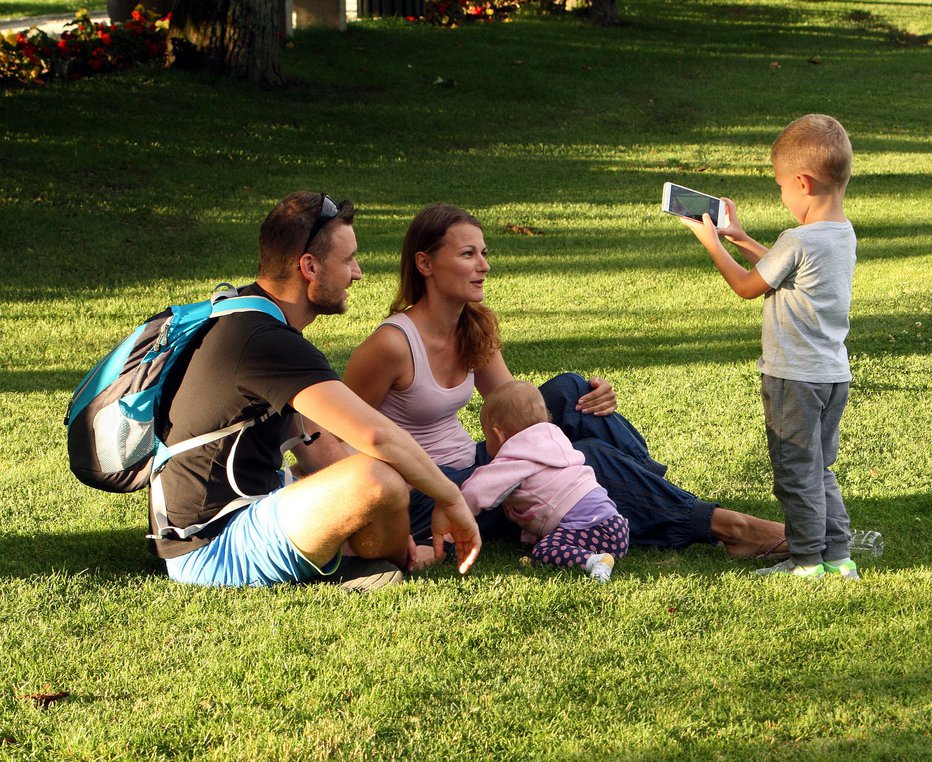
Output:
(389, 487)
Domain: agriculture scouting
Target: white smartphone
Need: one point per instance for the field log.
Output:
(685, 202)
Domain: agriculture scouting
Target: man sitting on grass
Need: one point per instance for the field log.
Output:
(250, 363)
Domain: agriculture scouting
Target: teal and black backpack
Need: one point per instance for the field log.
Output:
(115, 419)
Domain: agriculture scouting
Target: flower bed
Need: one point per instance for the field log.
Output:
(452, 13)
(85, 48)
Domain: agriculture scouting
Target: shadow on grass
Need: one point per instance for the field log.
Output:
(903, 520)
(112, 552)
(877, 335)
(144, 251)
(879, 743)
(187, 202)
(874, 335)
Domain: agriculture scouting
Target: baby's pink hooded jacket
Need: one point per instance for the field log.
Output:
(539, 477)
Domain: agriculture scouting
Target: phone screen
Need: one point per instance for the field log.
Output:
(692, 204)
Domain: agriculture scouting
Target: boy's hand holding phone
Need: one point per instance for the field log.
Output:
(732, 229)
(686, 202)
(706, 232)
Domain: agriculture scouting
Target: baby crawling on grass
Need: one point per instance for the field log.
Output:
(545, 485)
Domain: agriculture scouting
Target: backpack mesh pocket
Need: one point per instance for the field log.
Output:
(121, 441)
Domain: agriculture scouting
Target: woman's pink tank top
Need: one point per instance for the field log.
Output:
(428, 411)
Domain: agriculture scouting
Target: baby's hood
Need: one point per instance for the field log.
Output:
(542, 443)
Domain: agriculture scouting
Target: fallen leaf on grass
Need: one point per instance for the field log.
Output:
(523, 229)
(45, 700)
(774, 65)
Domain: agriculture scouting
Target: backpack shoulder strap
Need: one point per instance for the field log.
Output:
(228, 301)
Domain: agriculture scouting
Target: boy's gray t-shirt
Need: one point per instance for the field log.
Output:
(810, 269)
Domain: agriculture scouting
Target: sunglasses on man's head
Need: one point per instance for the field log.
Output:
(328, 210)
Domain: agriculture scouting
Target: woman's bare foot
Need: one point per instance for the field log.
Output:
(747, 536)
(422, 557)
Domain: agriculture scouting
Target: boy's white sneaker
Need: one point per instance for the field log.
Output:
(788, 567)
(600, 566)
(845, 567)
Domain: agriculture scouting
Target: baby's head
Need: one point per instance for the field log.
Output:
(815, 145)
(508, 409)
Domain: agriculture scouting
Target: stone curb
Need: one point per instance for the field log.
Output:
(54, 25)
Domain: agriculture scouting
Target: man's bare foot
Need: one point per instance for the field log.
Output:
(747, 536)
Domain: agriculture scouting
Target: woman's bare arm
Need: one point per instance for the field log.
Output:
(382, 362)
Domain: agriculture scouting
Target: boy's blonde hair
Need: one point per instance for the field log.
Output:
(816, 144)
(515, 406)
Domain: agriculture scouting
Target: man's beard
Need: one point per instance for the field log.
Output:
(334, 307)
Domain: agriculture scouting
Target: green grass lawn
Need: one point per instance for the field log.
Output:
(123, 194)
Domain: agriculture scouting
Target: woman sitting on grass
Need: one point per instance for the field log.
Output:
(440, 342)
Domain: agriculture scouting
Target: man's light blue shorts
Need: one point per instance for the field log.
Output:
(252, 549)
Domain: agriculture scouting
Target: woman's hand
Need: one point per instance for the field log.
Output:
(600, 401)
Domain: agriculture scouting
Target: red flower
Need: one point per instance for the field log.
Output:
(87, 48)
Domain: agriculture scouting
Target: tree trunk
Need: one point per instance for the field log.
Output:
(241, 38)
(603, 13)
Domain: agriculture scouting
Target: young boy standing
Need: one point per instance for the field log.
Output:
(805, 278)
